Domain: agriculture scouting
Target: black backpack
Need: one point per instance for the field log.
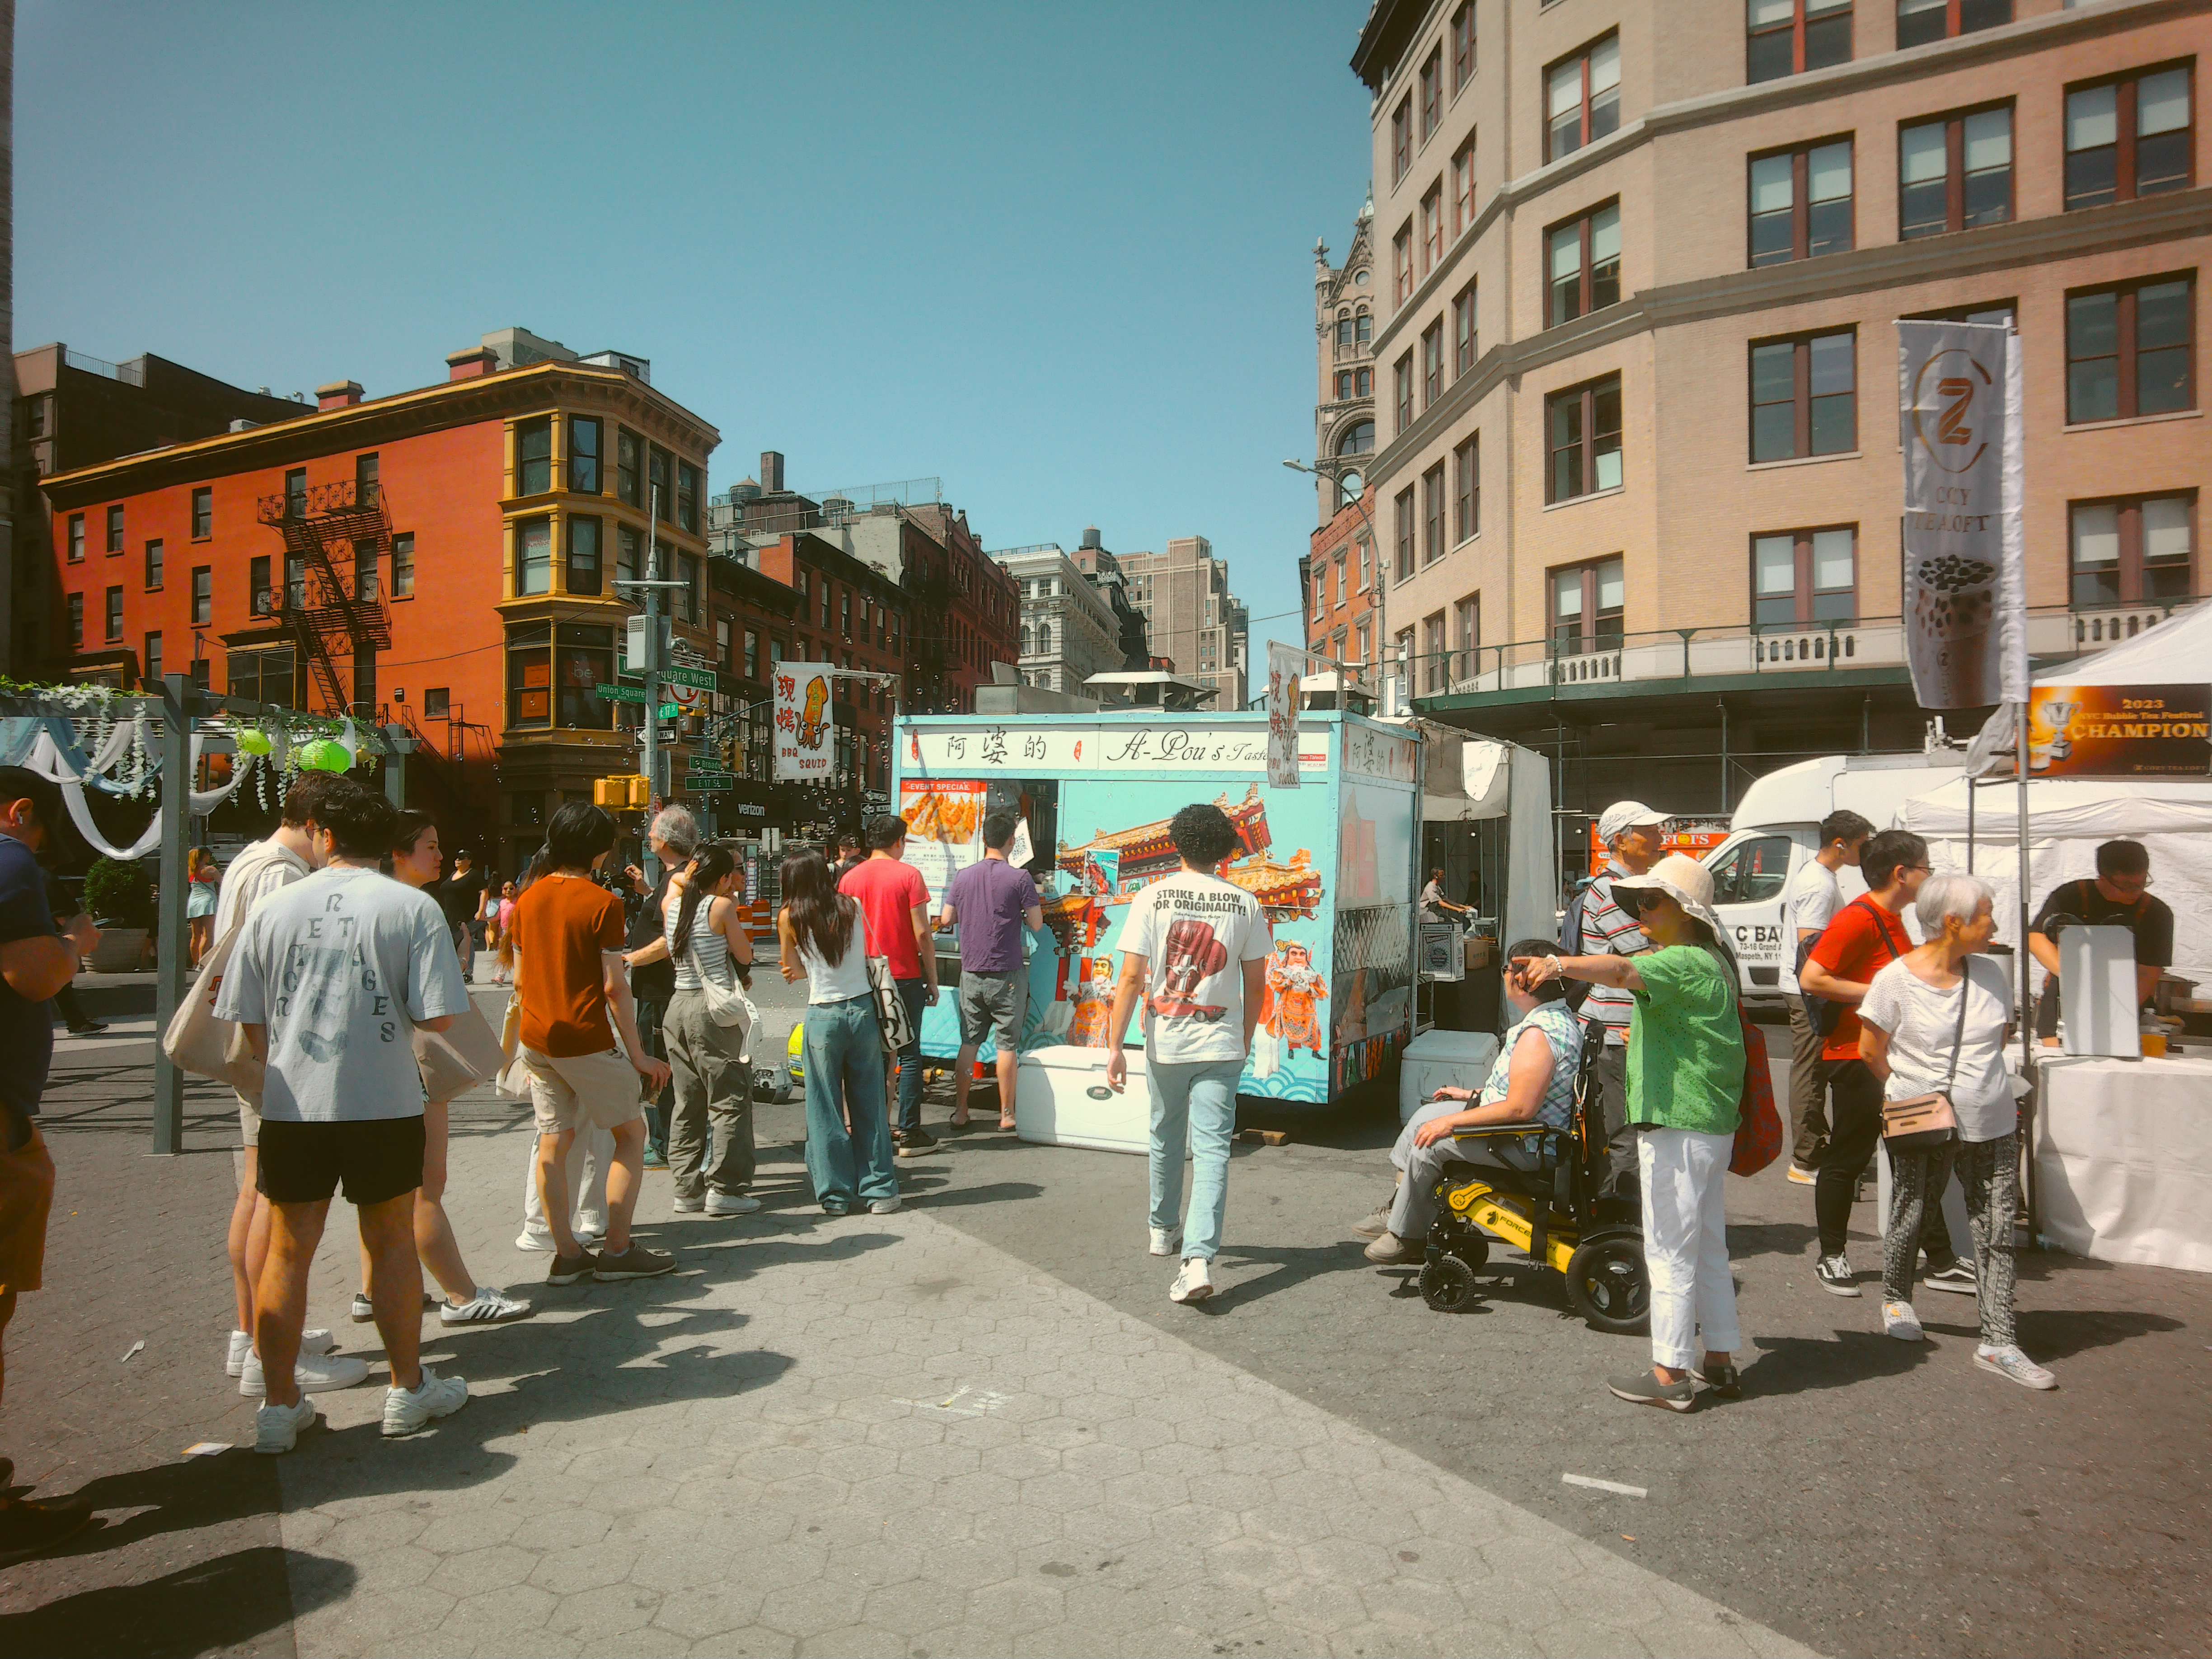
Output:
(1821, 1011)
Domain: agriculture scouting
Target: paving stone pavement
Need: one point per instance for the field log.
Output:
(882, 1436)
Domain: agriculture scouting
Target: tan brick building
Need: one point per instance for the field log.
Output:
(1637, 481)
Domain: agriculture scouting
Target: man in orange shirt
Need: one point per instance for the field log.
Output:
(570, 979)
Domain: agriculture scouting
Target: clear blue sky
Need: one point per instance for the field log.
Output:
(1059, 255)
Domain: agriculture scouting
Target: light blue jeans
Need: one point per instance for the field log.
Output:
(845, 1069)
(1196, 1101)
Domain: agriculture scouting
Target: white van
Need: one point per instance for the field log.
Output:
(1776, 827)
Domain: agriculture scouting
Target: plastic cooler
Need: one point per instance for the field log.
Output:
(1060, 1099)
(1437, 1057)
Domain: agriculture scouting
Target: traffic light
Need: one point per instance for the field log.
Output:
(622, 793)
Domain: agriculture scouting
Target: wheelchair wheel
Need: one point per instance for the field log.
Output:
(1609, 1284)
(1447, 1283)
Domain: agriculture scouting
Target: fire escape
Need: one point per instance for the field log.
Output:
(331, 598)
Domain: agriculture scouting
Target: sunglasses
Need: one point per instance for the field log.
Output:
(1641, 899)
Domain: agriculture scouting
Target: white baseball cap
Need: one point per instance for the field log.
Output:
(1623, 816)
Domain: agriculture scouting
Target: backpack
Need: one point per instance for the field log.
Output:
(1571, 944)
(1821, 1012)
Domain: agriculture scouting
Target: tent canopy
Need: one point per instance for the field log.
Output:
(2066, 808)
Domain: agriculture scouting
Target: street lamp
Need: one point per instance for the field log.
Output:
(1334, 468)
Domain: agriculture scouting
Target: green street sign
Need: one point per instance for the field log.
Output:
(668, 711)
(708, 783)
(618, 693)
(703, 678)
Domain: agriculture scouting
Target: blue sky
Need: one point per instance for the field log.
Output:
(1059, 255)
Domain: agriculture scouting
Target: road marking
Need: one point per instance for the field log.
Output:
(964, 1402)
(1603, 1485)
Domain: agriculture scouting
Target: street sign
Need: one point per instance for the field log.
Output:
(668, 711)
(704, 678)
(619, 693)
(708, 783)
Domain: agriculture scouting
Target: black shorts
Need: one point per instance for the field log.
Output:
(303, 1163)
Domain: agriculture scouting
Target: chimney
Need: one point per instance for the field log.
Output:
(771, 472)
(472, 364)
(339, 394)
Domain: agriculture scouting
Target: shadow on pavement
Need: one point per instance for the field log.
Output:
(216, 1607)
(2050, 1333)
(1798, 1365)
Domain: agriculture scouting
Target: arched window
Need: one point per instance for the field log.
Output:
(1358, 439)
(1344, 329)
(1365, 328)
(1044, 639)
(1025, 639)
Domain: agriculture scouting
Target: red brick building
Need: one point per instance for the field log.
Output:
(443, 558)
(1337, 575)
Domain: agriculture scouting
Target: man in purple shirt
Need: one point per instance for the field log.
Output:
(993, 900)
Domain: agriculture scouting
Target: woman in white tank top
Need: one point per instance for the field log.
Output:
(825, 939)
(710, 1124)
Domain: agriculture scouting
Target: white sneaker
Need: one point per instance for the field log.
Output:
(884, 1206)
(406, 1410)
(688, 1206)
(1898, 1320)
(314, 1374)
(2011, 1362)
(312, 1341)
(364, 1310)
(731, 1204)
(1166, 1241)
(1193, 1284)
(487, 1307)
(543, 1242)
(276, 1428)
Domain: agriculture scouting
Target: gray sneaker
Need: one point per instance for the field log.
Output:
(731, 1204)
(1645, 1389)
(2011, 1362)
(1391, 1251)
(638, 1262)
(884, 1206)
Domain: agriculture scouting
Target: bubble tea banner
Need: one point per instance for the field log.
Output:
(1966, 617)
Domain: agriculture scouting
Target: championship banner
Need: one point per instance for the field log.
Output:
(1284, 665)
(803, 747)
(2119, 732)
(1965, 614)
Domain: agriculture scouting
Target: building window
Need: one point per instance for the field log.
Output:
(77, 622)
(202, 595)
(1955, 172)
(366, 472)
(1404, 373)
(551, 676)
(1432, 227)
(1462, 45)
(1405, 529)
(1582, 264)
(295, 581)
(533, 456)
(1432, 514)
(687, 496)
(628, 545)
(154, 554)
(1358, 439)
(630, 464)
(295, 493)
(2135, 550)
(723, 659)
(752, 655)
(583, 572)
(77, 538)
(687, 572)
(150, 659)
(1804, 396)
(2129, 138)
(1588, 603)
(1367, 564)
(1433, 664)
(1432, 363)
(438, 703)
(202, 514)
(1787, 37)
(657, 463)
(1463, 186)
(364, 571)
(1803, 576)
(1344, 331)
(268, 676)
(1401, 138)
(114, 614)
(1467, 487)
(533, 556)
(1401, 262)
(403, 566)
(259, 601)
(1344, 385)
(2128, 349)
(1463, 331)
(1432, 94)
(1583, 426)
(1919, 21)
(1581, 98)
(1466, 636)
(115, 530)
(845, 614)
(1364, 327)
(584, 455)
(1801, 202)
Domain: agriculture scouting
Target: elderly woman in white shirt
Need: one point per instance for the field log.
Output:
(1934, 1022)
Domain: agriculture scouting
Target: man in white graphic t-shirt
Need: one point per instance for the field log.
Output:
(1194, 951)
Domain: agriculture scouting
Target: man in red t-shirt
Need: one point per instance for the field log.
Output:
(1865, 936)
(895, 899)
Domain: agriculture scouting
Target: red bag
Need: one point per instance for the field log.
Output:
(1759, 1126)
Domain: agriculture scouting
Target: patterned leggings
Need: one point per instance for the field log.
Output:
(1989, 1176)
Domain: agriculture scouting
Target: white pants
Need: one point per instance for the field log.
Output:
(1685, 1243)
(589, 1155)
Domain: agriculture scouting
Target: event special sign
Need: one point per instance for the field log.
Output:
(2119, 731)
(803, 743)
(973, 750)
(1964, 591)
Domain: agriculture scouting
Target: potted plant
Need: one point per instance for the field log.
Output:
(120, 897)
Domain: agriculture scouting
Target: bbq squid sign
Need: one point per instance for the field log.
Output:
(803, 746)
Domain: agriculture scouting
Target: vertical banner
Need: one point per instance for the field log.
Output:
(1285, 664)
(803, 748)
(1965, 615)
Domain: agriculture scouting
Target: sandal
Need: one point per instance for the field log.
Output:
(1006, 1126)
(959, 1121)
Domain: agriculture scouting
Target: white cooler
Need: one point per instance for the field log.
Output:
(1060, 1099)
(1435, 1058)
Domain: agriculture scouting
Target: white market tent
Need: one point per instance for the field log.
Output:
(1490, 779)
(2069, 817)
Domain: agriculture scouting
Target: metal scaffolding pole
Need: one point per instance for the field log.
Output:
(178, 696)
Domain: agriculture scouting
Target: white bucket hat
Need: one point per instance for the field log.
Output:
(1683, 879)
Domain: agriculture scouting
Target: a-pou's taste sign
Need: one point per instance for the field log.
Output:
(2119, 732)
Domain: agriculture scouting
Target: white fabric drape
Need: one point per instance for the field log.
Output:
(47, 760)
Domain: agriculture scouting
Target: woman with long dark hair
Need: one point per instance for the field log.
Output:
(710, 1129)
(825, 939)
(204, 876)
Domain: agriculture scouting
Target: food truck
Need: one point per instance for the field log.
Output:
(1332, 861)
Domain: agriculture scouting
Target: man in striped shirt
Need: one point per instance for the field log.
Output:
(1629, 832)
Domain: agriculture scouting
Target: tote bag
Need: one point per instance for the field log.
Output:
(897, 1030)
(198, 1043)
(459, 1058)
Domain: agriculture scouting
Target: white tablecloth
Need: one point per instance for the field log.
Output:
(2124, 1160)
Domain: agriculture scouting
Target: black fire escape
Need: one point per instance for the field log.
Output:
(331, 598)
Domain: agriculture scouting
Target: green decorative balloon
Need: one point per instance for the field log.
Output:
(250, 741)
(325, 755)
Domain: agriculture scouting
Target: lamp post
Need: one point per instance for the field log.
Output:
(1334, 468)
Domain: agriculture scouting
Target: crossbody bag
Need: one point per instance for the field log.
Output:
(1823, 1013)
(1927, 1122)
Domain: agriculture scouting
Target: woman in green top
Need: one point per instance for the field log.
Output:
(1686, 1062)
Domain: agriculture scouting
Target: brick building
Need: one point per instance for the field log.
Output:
(1337, 575)
(443, 558)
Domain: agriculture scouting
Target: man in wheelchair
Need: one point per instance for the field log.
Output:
(1531, 1082)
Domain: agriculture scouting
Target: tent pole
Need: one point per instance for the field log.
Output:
(2026, 1010)
(180, 698)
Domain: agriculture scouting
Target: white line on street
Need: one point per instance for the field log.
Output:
(1603, 1485)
